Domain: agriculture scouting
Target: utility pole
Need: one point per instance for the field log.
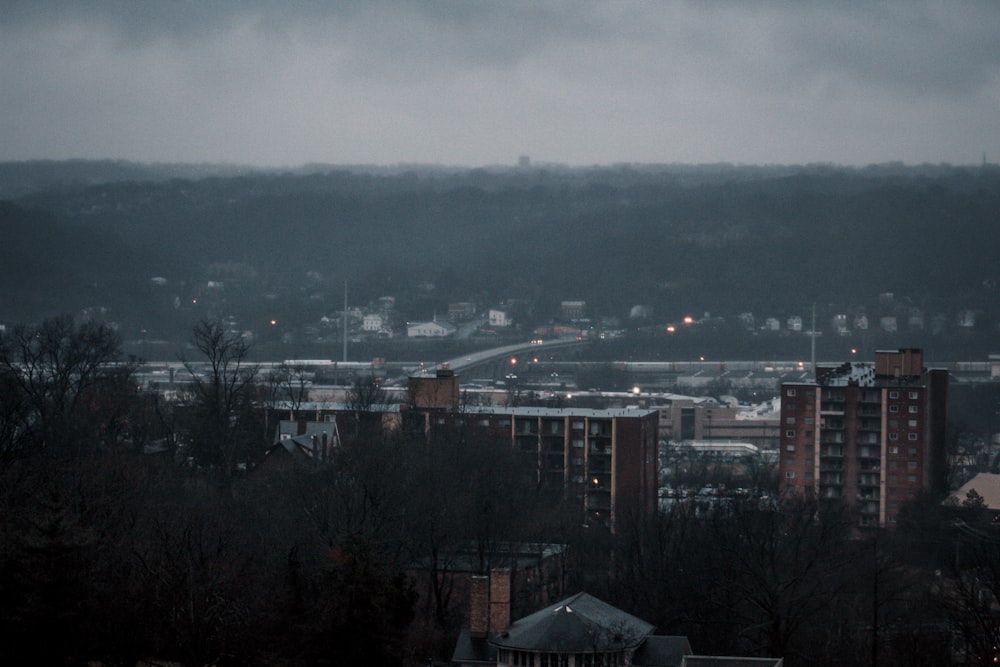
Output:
(345, 322)
(812, 338)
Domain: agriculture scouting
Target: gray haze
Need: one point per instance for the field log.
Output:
(473, 83)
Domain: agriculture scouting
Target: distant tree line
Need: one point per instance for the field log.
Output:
(724, 240)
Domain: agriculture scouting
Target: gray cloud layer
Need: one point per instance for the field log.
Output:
(464, 82)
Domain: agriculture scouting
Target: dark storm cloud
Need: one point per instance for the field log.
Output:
(476, 82)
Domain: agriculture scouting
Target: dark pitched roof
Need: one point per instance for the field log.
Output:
(578, 624)
(731, 661)
(662, 651)
(469, 649)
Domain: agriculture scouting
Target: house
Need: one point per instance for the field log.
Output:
(986, 486)
(434, 329)
(296, 448)
(461, 310)
(499, 318)
(578, 631)
(372, 322)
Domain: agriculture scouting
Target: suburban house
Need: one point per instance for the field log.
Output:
(372, 322)
(499, 318)
(433, 329)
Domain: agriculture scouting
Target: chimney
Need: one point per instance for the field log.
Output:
(479, 606)
(499, 599)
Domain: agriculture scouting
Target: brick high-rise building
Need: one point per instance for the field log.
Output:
(870, 434)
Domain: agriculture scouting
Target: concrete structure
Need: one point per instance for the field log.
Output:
(701, 418)
(870, 435)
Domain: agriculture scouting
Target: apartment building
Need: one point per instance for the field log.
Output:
(603, 460)
(869, 434)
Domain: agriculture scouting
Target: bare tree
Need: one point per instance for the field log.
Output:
(225, 423)
(366, 403)
(48, 372)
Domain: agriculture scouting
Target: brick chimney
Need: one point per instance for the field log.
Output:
(479, 606)
(499, 599)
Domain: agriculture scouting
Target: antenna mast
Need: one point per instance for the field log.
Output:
(812, 338)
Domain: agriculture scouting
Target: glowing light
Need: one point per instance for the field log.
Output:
(688, 320)
(671, 329)
(701, 358)
(273, 322)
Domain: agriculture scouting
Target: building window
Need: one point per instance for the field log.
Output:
(893, 465)
(893, 394)
(790, 420)
(893, 436)
(913, 396)
(505, 423)
(911, 478)
(894, 449)
(914, 409)
(913, 451)
(911, 465)
(893, 477)
(789, 448)
(809, 434)
(791, 392)
(893, 408)
(790, 474)
(810, 420)
(484, 422)
(789, 434)
(577, 426)
(913, 423)
(911, 436)
(809, 474)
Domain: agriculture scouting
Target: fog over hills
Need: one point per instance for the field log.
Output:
(139, 245)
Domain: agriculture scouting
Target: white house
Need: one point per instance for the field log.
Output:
(430, 329)
(499, 318)
(372, 322)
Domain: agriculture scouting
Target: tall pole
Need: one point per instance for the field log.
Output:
(812, 337)
(345, 322)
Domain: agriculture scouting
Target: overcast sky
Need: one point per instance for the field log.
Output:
(471, 83)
